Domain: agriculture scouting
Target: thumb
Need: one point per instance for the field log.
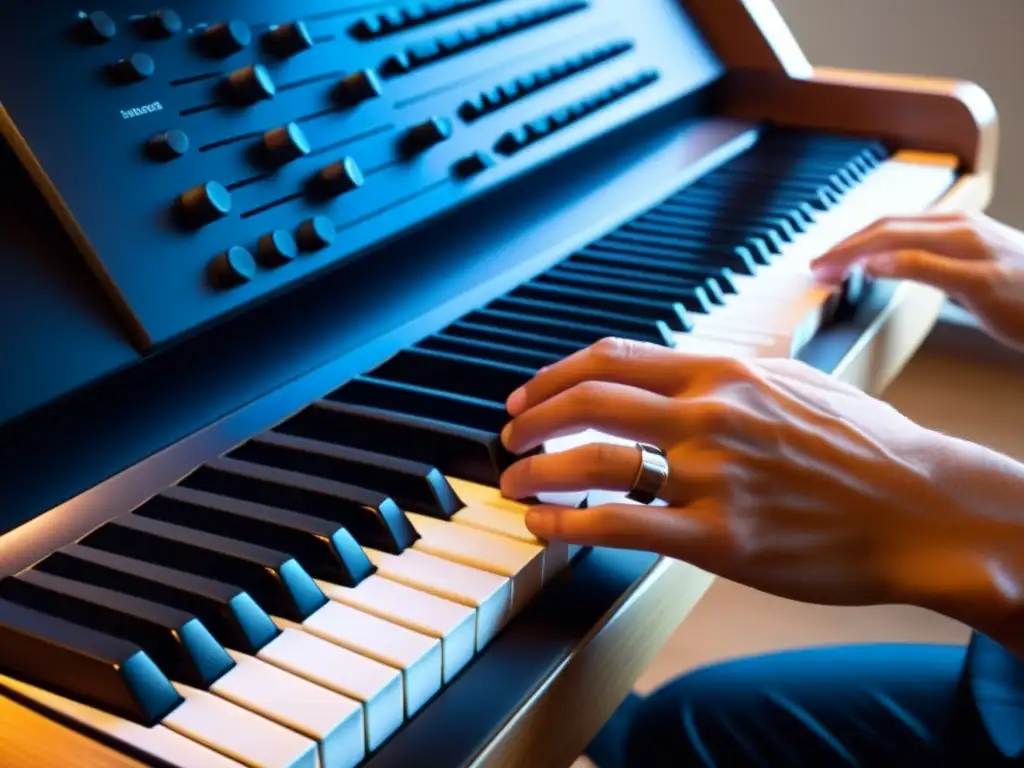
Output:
(951, 276)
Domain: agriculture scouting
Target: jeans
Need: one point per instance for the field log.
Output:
(862, 705)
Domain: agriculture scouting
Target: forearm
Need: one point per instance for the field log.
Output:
(976, 574)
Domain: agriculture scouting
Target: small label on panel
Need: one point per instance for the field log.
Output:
(147, 109)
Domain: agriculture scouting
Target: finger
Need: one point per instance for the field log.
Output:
(638, 364)
(952, 239)
(615, 409)
(957, 278)
(691, 532)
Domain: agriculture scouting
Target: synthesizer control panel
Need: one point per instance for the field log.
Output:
(207, 155)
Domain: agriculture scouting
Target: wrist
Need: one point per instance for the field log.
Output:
(969, 560)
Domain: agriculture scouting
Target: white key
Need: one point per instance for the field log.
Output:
(488, 593)
(334, 721)
(416, 656)
(159, 742)
(238, 733)
(452, 623)
(488, 510)
(521, 562)
(376, 686)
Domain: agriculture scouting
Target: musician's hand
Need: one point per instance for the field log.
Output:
(971, 257)
(782, 478)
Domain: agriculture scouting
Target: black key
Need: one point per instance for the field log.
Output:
(275, 580)
(447, 372)
(751, 234)
(672, 313)
(87, 666)
(326, 551)
(629, 282)
(414, 486)
(588, 322)
(447, 407)
(229, 613)
(729, 205)
(177, 641)
(784, 227)
(499, 352)
(738, 258)
(779, 193)
(462, 452)
(480, 327)
(691, 237)
(372, 518)
(672, 306)
(653, 264)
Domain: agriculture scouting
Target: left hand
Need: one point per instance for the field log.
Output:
(782, 478)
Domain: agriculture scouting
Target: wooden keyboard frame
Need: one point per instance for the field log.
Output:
(768, 80)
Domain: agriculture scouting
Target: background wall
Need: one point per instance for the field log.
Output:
(978, 40)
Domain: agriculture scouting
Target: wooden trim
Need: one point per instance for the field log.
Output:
(749, 34)
(600, 673)
(921, 113)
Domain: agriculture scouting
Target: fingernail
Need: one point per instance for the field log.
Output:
(516, 402)
(506, 435)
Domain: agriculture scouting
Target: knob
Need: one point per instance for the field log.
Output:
(132, 69)
(96, 27)
(226, 38)
(422, 137)
(359, 87)
(288, 39)
(251, 84)
(204, 204)
(232, 268)
(161, 23)
(168, 145)
(277, 248)
(285, 144)
(470, 166)
(340, 177)
(316, 233)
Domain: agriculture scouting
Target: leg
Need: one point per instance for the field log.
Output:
(871, 705)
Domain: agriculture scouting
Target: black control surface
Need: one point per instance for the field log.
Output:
(207, 155)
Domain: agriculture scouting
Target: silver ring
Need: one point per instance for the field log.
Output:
(652, 475)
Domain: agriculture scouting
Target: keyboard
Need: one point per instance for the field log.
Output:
(253, 515)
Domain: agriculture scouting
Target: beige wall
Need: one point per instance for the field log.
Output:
(979, 40)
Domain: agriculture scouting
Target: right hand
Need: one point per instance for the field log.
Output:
(975, 259)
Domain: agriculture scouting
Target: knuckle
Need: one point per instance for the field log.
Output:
(585, 397)
(717, 416)
(598, 459)
(612, 349)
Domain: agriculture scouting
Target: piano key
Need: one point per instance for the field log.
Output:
(801, 215)
(479, 327)
(617, 322)
(517, 560)
(376, 686)
(180, 645)
(489, 594)
(631, 282)
(760, 239)
(455, 450)
(412, 485)
(485, 508)
(238, 623)
(447, 407)
(417, 656)
(736, 258)
(333, 721)
(239, 734)
(102, 671)
(674, 312)
(229, 613)
(533, 319)
(324, 549)
(652, 263)
(372, 518)
(498, 351)
(276, 581)
(783, 226)
(696, 236)
(159, 744)
(453, 624)
(452, 373)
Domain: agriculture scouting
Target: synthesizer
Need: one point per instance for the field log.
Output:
(270, 270)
